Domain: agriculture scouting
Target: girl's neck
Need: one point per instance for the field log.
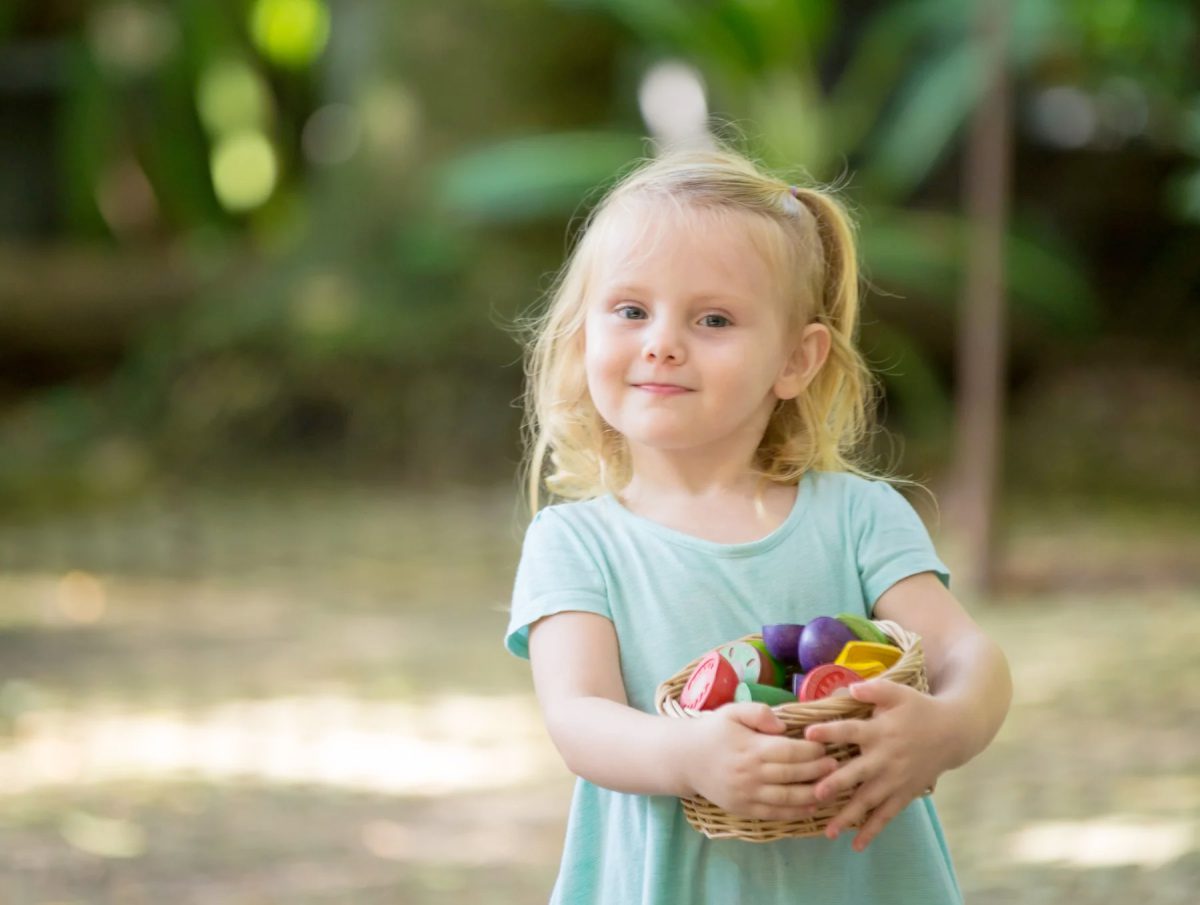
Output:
(718, 472)
(719, 514)
(681, 491)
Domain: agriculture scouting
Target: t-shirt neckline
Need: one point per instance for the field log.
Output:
(747, 548)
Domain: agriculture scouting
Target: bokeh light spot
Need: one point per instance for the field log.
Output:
(325, 305)
(390, 120)
(674, 104)
(131, 38)
(244, 170)
(81, 597)
(126, 198)
(290, 32)
(232, 97)
(332, 134)
(1063, 116)
(105, 837)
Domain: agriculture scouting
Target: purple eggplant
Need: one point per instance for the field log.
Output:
(782, 640)
(821, 642)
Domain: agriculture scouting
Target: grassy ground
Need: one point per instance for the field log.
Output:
(240, 696)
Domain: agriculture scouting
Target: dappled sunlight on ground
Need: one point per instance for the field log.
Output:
(442, 747)
(1090, 792)
(500, 828)
(1103, 841)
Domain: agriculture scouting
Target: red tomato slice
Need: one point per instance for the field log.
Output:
(712, 683)
(826, 679)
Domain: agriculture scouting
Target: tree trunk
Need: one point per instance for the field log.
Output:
(982, 333)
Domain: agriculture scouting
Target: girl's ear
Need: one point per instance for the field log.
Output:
(807, 356)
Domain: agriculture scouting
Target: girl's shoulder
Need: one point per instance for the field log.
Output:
(858, 498)
(576, 518)
(570, 511)
(847, 488)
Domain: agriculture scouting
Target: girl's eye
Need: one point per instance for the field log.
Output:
(633, 312)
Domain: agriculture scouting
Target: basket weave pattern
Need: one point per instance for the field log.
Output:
(715, 822)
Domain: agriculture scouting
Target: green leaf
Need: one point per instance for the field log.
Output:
(87, 138)
(536, 177)
(928, 113)
(926, 405)
(877, 63)
(1048, 283)
(913, 249)
(926, 251)
(792, 121)
(789, 34)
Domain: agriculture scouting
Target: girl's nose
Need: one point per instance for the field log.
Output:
(663, 344)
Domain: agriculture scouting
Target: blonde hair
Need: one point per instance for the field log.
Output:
(809, 242)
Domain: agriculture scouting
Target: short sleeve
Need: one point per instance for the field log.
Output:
(892, 541)
(556, 573)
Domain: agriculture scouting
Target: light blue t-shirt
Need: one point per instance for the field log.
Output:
(671, 597)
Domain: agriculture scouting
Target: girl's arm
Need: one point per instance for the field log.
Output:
(577, 676)
(736, 756)
(912, 738)
(967, 670)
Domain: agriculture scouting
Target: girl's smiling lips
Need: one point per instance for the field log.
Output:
(662, 389)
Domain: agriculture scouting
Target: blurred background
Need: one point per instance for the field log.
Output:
(262, 264)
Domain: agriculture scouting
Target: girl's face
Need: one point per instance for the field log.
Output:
(685, 335)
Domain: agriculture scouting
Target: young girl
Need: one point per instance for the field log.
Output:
(697, 397)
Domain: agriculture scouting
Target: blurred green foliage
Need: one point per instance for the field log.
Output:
(360, 199)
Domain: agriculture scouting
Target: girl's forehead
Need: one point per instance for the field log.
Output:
(642, 236)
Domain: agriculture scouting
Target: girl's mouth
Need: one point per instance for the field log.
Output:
(662, 389)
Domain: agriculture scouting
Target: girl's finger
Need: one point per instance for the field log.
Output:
(880, 691)
(808, 771)
(791, 750)
(792, 796)
(854, 772)
(855, 812)
(879, 818)
(847, 732)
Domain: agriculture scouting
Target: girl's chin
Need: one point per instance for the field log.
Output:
(664, 431)
(665, 441)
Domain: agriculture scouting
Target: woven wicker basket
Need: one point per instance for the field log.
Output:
(717, 823)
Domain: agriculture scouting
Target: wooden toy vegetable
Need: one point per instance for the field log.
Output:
(824, 680)
(821, 641)
(782, 640)
(867, 659)
(777, 670)
(713, 683)
(863, 628)
(763, 694)
(749, 662)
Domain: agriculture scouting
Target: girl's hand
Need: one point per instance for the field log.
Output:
(902, 753)
(738, 758)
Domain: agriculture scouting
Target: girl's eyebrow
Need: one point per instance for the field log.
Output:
(699, 297)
